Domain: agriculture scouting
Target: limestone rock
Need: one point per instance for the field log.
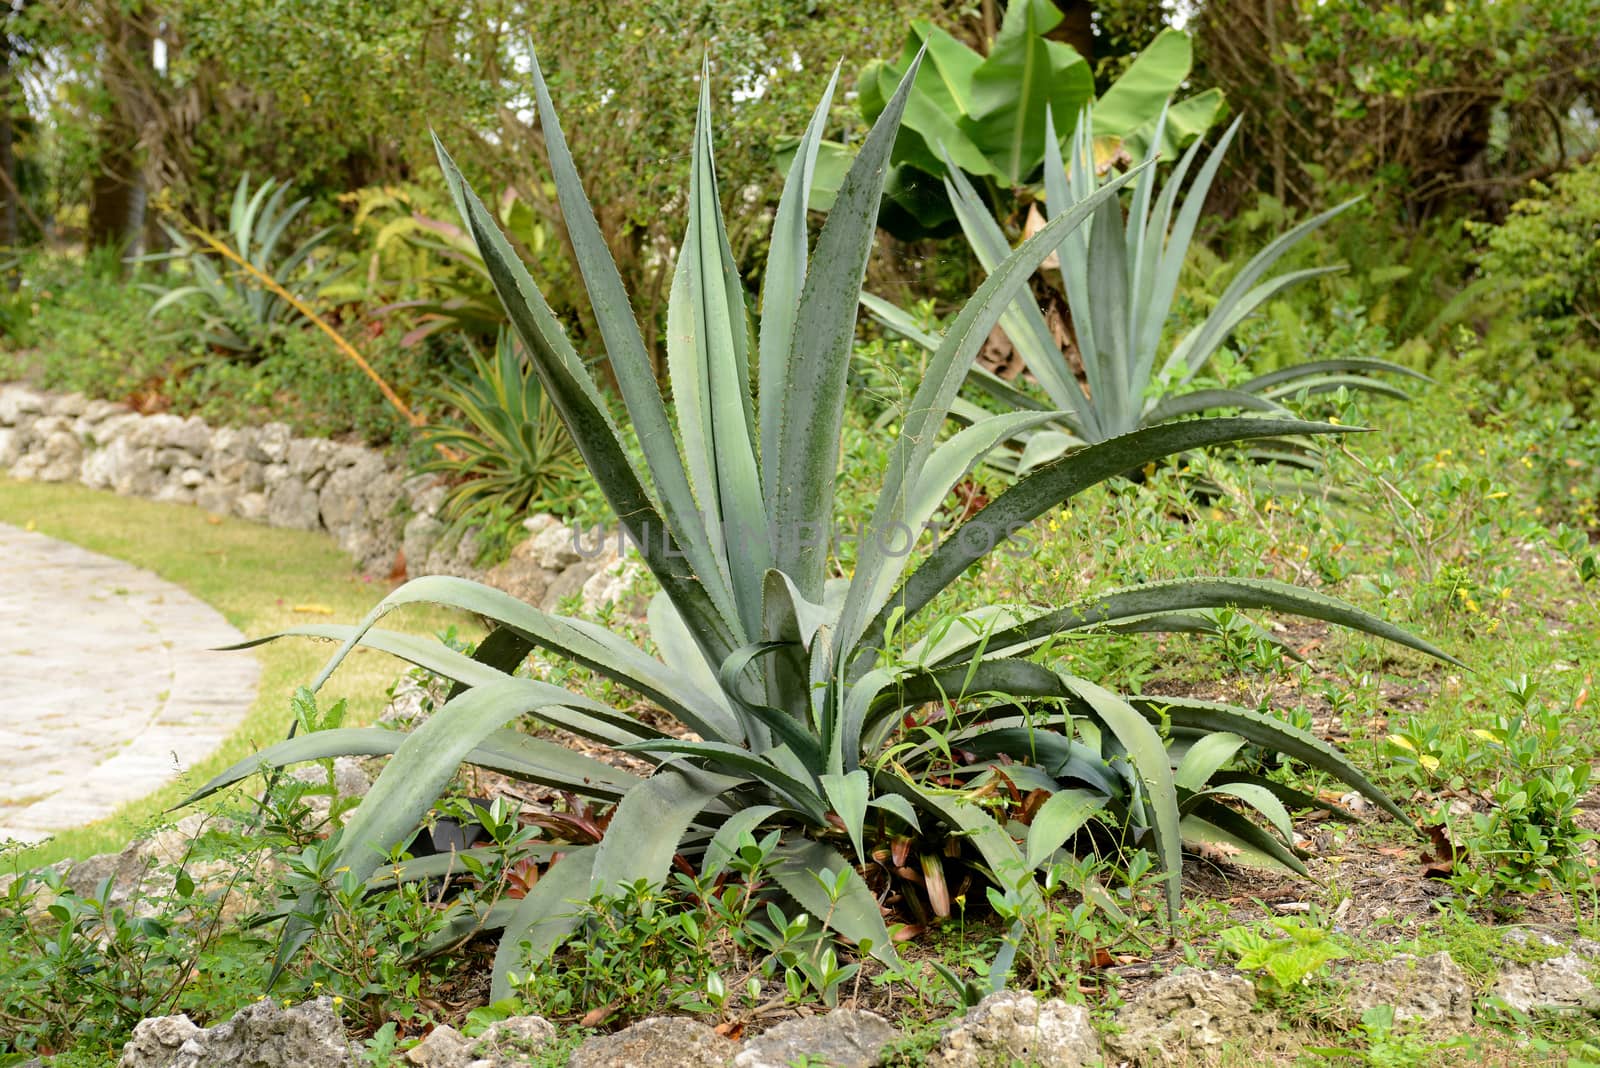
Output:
(1430, 994)
(509, 1041)
(445, 1047)
(71, 405)
(844, 1038)
(266, 1036)
(610, 585)
(156, 1041)
(422, 532)
(1568, 983)
(291, 503)
(551, 545)
(656, 1043)
(253, 506)
(1178, 1015)
(566, 584)
(1010, 1027)
(271, 444)
(17, 401)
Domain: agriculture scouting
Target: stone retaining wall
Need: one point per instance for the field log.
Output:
(386, 518)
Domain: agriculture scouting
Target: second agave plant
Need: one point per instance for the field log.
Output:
(1119, 274)
(804, 701)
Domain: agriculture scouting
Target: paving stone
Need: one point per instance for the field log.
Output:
(108, 689)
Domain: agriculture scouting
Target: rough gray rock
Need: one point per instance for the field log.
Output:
(520, 576)
(1430, 994)
(550, 543)
(844, 1038)
(17, 401)
(444, 1047)
(260, 1036)
(1567, 983)
(266, 1036)
(156, 1041)
(1011, 1027)
(656, 1043)
(1178, 1015)
(291, 503)
(514, 1035)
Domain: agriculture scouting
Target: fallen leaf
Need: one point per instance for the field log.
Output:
(1440, 862)
(214, 520)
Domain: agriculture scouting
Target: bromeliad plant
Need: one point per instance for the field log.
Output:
(803, 708)
(1120, 278)
(241, 315)
(514, 456)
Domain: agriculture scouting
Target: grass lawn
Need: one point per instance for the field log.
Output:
(255, 576)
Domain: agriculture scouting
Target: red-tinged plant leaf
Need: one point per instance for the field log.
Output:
(1030, 806)
(900, 851)
(522, 877)
(933, 883)
(906, 932)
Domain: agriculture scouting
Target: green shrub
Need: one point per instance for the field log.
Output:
(1544, 260)
(79, 326)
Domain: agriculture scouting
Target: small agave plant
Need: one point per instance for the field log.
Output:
(804, 697)
(1120, 277)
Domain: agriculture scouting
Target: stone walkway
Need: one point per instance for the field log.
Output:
(107, 688)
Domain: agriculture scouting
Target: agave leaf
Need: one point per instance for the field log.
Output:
(897, 320)
(1044, 447)
(725, 843)
(1160, 410)
(421, 767)
(1292, 798)
(319, 745)
(942, 379)
(785, 276)
(705, 711)
(1259, 798)
(1205, 758)
(805, 798)
(1194, 593)
(1059, 819)
(855, 913)
(1022, 320)
(1148, 756)
(848, 796)
(1054, 483)
(806, 448)
(547, 915)
(1221, 320)
(1329, 383)
(1323, 367)
(624, 344)
(1215, 824)
(707, 350)
(587, 418)
(1269, 733)
(648, 825)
